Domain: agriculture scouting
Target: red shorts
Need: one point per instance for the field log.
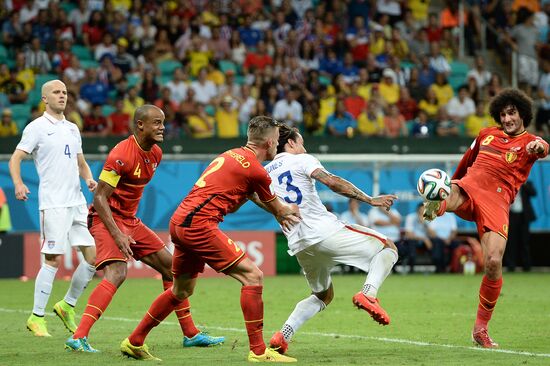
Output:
(200, 244)
(147, 242)
(485, 208)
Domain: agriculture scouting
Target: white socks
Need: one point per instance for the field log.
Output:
(81, 277)
(43, 288)
(303, 311)
(380, 268)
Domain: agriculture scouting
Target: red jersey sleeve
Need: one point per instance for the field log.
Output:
(262, 184)
(117, 165)
(467, 159)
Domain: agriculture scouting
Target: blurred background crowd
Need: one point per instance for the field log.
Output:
(342, 68)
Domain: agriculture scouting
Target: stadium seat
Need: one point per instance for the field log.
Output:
(40, 79)
(88, 64)
(167, 67)
(163, 80)
(3, 54)
(21, 114)
(133, 80)
(456, 80)
(459, 68)
(107, 109)
(35, 96)
(227, 65)
(82, 52)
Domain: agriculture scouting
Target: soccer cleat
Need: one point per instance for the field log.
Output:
(202, 339)
(270, 355)
(79, 345)
(139, 353)
(37, 325)
(65, 312)
(481, 338)
(430, 210)
(372, 306)
(278, 343)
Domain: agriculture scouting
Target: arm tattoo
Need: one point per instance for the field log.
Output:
(340, 185)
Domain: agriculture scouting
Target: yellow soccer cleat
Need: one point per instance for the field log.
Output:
(139, 353)
(65, 312)
(37, 325)
(270, 355)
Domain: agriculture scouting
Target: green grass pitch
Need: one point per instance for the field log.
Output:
(431, 321)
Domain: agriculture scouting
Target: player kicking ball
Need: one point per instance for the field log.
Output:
(320, 240)
(484, 186)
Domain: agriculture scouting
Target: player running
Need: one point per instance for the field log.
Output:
(56, 148)
(221, 189)
(485, 184)
(320, 240)
(120, 235)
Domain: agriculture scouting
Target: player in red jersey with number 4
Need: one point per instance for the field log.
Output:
(222, 188)
(120, 235)
(484, 186)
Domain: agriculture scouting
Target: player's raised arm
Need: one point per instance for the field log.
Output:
(346, 188)
(21, 190)
(101, 205)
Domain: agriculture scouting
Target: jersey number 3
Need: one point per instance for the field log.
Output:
(290, 188)
(215, 165)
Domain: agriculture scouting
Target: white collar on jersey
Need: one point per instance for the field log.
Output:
(52, 119)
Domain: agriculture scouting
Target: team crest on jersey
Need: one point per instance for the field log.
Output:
(51, 244)
(511, 156)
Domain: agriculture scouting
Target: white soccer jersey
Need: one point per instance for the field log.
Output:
(54, 146)
(291, 181)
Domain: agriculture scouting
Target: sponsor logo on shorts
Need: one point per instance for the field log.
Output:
(51, 244)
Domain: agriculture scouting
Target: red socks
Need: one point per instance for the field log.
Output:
(183, 313)
(253, 311)
(163, 305)
(488, 296)
(99, 299)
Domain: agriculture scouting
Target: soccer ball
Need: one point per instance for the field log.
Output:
(434, 185)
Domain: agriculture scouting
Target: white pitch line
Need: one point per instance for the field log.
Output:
(332, 335)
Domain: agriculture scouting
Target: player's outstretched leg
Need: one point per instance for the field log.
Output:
(303, 311)
(380, 268)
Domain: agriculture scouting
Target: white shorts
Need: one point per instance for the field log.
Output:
(62, 226)
(353, 245)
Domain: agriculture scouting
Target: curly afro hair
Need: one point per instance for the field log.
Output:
(514, 97)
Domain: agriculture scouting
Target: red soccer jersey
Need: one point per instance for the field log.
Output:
(224, 186)
(129, 168)
(499, 162)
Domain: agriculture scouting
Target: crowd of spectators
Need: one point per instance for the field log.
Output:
(342, 68)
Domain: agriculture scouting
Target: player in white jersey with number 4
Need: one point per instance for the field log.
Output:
(320, 240)
(56, 148)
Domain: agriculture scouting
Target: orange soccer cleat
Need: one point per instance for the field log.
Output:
(481, 338)
(372, 306)
(278, 343)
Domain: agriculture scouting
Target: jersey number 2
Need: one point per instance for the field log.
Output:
(216, 164)
(290, 188)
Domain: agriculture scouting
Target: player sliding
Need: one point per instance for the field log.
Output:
(120, 235)
(321, 241)
(222, 188)
(485, 184)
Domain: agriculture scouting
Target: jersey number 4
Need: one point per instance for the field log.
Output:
(286, 178)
